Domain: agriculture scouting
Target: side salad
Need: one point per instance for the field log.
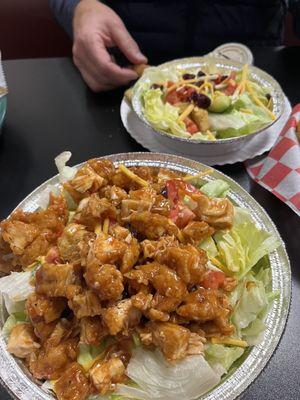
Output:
(205, 104)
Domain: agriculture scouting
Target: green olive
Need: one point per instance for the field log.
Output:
(219, 103)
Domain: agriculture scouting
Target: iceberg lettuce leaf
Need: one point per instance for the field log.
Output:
(162, 116)
(220, 355)
(244, 245)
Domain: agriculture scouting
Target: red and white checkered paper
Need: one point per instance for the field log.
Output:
(279, 171)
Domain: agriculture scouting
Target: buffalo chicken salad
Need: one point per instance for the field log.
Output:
(206, 103)
(133, 282)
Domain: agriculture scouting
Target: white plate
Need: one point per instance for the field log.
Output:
(257, 146)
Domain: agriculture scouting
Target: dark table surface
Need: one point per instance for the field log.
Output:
(51, 110)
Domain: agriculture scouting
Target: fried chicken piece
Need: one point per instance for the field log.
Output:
(42, 330)
(92, 331)
(106, 250)
(196, 231)
(106, 280)
(151, 248)
(142, 301)
(203, 305)
(114, 194)
(18, 235)
(85, 182)
(68, 242)
(92, 210)
(37, 248)
(58, 280)
(147, 194)
(72, 384)
(85, 304)
(132, 247)
(50, 362)
(42, 308)
(153, 226)
(64, 329)
(172, 339)
(130, 206)
(105, 374)
(216, 212)
(131, 255)
(121, 317)
(103, 167)
(122, 180)
(161, 206)
(163, 279)
(22, 341)
(188, 262)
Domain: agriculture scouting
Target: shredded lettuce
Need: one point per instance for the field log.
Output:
(15, 289)
(216, 188)
(65, 173)
(209, 246)
(12, 321)
(158, 379)
(237, 123)
(88, 354)
(221, 357)
(244, 245)
(162, 116)
(252, 300)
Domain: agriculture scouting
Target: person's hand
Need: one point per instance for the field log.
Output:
(97, 27)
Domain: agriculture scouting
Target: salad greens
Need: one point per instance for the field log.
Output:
(204, 104)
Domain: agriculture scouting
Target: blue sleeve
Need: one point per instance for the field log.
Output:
(63, 11)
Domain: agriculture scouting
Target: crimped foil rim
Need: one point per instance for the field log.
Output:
(18, 380)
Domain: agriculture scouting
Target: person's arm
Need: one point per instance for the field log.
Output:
(63, 11)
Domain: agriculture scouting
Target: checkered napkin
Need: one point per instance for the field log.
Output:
(279, 171)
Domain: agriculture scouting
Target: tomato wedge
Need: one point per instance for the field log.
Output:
(173, 97)
(213, 280)
(176, 185)
(181, 215)
(191, 127)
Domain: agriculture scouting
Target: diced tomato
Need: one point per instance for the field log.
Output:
(213, 280)
(53, 256)
(181, 215)
(218, 79)
(191, 127)
(176, 185)
(173, 97)
(229, 90)
(185, 93)
(170, 83)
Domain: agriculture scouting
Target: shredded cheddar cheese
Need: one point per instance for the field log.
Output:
(105, 225)
(98, 229)
(133, 176)
(221, 266)
(246, 110)
(241, 86)
(199, 175)
(186, 112)
(229, 341)
(257, 101)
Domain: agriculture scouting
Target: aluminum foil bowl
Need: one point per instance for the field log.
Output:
(208, 147)
(18, 381)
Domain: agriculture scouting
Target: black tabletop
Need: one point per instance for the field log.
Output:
(51, 110)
